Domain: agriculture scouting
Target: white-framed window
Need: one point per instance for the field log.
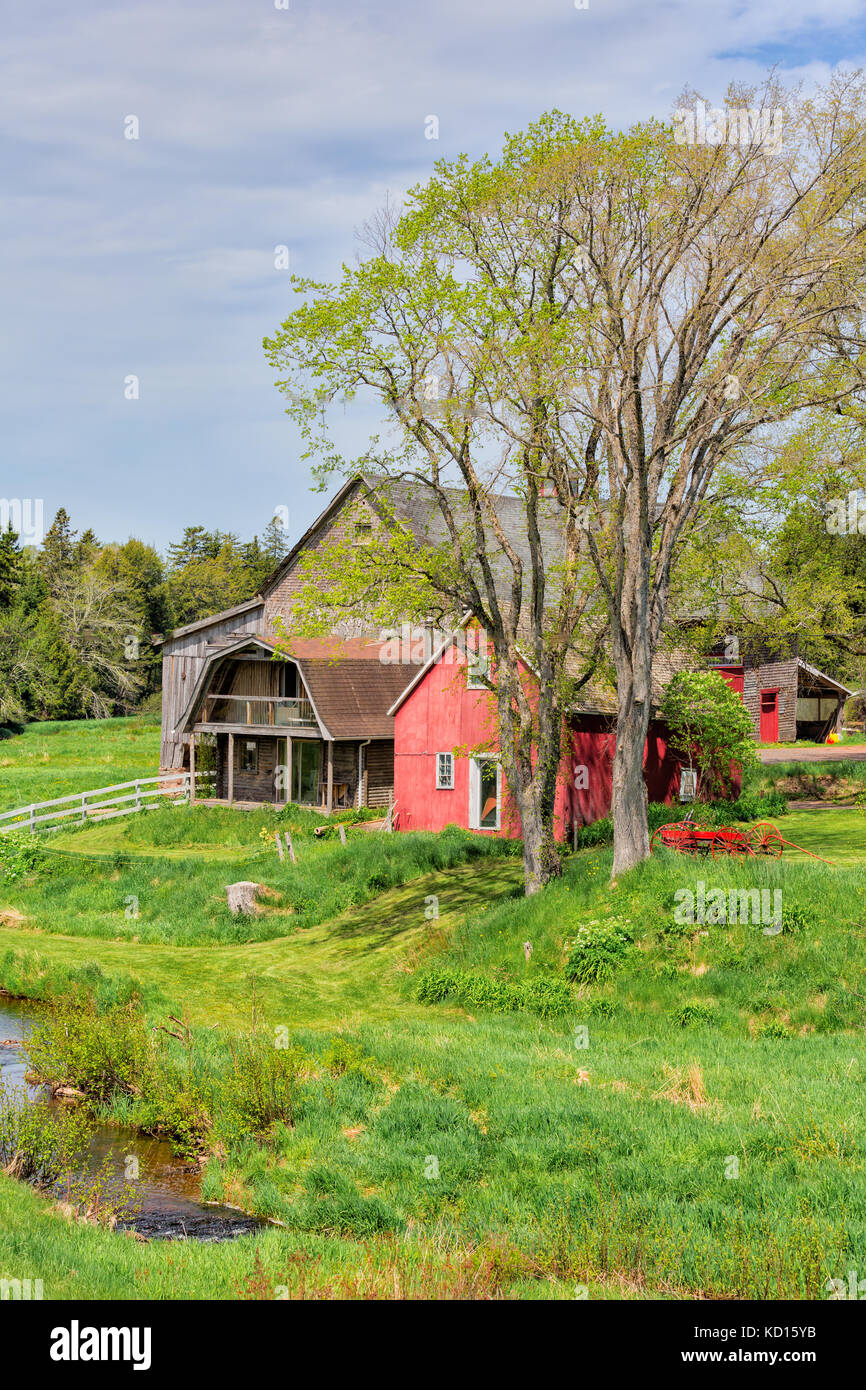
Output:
(444, 772)
(249, 756)
(477, 669)
(485, 793)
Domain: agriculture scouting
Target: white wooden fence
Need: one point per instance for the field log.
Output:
(80, 805)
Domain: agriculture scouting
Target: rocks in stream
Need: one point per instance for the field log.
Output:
(206, 1226)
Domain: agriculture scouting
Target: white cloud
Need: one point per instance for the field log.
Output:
(261, 127)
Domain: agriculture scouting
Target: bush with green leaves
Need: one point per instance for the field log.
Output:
(795, 920)
(104, 1054)
(598, 950)
(20, 853)
(709, 726)
(264, 1083)
(38, 1145)
(695, 1012)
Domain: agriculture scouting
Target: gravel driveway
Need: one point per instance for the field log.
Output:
(827, 753)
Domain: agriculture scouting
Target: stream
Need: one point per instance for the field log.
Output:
(168, 1203)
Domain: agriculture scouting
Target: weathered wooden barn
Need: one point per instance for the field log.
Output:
(313, 727)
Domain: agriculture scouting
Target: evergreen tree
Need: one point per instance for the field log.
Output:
(59, 552)
(10, 566)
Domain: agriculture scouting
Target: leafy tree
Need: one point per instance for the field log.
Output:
(710, 726)
(19, 666)
(136, 572)
(630, 321)
(275, 543)
(99, 627)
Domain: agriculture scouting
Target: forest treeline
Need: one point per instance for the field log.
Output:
(78, 617)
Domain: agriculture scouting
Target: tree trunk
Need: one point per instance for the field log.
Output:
(530, 762)
(629, 799)
(541, 861)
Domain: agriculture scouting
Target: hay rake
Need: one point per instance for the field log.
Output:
(687, 837)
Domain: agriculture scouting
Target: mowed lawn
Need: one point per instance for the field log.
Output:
(691, 1127)
(315, 976)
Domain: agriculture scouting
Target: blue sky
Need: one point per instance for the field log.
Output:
(261, 127)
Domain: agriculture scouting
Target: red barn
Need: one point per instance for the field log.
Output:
(446, 765)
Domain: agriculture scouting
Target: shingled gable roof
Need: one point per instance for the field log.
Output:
(412, 505)
(350, 694)
(353, 696)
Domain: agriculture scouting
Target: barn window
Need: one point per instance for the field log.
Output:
(249, 756)
(688, 784)
(444, 771)
(485, 793)
(477, 671)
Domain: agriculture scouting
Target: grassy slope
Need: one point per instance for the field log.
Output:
(606, 1165)
(51, 760)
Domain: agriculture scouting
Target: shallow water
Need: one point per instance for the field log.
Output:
(167, 1191)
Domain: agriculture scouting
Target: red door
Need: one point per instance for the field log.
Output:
(769, 716)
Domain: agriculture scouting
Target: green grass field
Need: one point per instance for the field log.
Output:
(689, 1125)
(56, 759)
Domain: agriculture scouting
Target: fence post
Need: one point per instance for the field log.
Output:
(138, 796)
(84, 806)
(32, 820)
(342, 830)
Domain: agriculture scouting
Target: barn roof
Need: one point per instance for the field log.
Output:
(353, 697)
(412, 505)
(350, 694)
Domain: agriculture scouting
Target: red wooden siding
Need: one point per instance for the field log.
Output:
(734, 676)
(441, 715)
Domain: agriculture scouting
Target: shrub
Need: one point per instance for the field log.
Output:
(545, 994)
(795, 919)
(264, 1083)
(20, 852)
(694, 1012)
(35, 1144)
(178, 1113)
(772, 1028)
(344, 1057)
(102, 1054)
(598, 949)
(601, 1008)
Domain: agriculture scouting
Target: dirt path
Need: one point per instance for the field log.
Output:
(827, 753)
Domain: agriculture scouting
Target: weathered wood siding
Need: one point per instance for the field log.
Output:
(281, 598)
(772, 675)
(182, 661)
(256, 678)
(248, 786)
(379, 764)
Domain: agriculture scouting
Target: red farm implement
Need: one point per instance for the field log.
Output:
(687, 837)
